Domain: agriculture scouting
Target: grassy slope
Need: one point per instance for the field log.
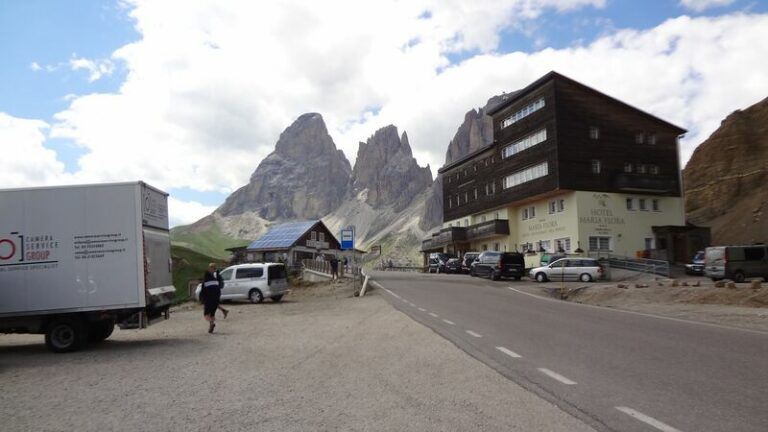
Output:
(210, 241)
(188, 265)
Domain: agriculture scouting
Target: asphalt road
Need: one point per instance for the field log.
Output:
(617, 371)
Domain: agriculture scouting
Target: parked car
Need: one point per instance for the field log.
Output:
(437, 262)
(467, 260)
(453, 265)
(696, 266)
(547, 258)
(497, 265)
(253, 282)
(569, 269)
(736, 262)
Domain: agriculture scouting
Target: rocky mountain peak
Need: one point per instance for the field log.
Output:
(306, 177)
(386, 168)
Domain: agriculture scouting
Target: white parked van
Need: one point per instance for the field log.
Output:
(253, 282)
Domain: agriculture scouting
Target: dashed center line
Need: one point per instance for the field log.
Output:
(433, 315)
(509, 352)
(647, 419)
(556, 376)
(449, 322)
(422, 309)
(471, 333)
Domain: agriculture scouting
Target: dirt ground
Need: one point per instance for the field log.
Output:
(738, 307)
(321, 360)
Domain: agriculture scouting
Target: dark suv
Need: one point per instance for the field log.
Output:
(497, 265)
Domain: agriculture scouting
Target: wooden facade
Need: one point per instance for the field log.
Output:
(571, 112)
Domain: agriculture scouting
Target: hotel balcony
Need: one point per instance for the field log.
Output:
(491, 228)
(454, 235)
(645, 183)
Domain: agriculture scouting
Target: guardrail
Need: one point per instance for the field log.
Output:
(402, 268)
(642, 265)
(325, 268)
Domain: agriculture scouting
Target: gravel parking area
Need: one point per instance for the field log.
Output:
(321, 360)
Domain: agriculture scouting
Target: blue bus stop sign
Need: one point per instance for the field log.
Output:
(347, 239)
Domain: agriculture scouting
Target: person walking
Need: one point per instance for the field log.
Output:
(211, 294)
(221, 289)
(334, 268)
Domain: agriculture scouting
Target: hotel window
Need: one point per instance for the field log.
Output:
(630, 204)
(654, 169)
(642, 204)
(532, 212)
(526, 175)
(641, 169)
(525, 112)
(639, 138)
(475, 166)
(466, 222)
(496, 247)
(560, 205)
(563, 244)
(552, 207)
(599, 243)
(487, 189)
(627, 167)
(449, 179)
(497, 215)
(655, 205)
(466, 197)
(525, 213)
(493, 188)
(652, 139)
(485, 247)
(525, 143)
(482, 218)
(475, 193)
(450, 202)
(595, 166)
(546, 245)
(594, 132)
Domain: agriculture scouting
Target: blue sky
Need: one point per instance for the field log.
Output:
(42, 41)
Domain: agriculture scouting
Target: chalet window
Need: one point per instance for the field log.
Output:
(560, 205)
(552, 207)
(642, 168)
(313, 236)
(595, 166)
(630, 204)
(652, 139)
(524, 112)
(642, 204)
(627, 167)
(639, 138)
(599, 243)
(654, 169)
(594, 133)
(525, 143)
(655, 205)
(321, 236)
(475, 166)
(526, 175)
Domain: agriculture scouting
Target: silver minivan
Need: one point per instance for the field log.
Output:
(253, 282)
(737, 263)
(569, 269)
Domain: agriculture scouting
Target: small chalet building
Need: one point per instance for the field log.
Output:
(570, 168)
(290, 243)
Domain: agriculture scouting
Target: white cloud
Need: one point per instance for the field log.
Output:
(187, 212)
(702, 5)
(96, 68)
(211, 85)
(35, 66)
(26, 162)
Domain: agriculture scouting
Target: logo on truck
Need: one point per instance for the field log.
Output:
(18, 249)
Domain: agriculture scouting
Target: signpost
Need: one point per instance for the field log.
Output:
(347, 238)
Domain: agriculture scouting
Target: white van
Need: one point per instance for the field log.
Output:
(253, 282)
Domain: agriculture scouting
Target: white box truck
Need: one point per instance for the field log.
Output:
(77, 260)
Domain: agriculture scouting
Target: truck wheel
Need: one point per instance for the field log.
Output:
(255, 296)
(100, 331)
(738, 277)
(66, 335)
(277, 298)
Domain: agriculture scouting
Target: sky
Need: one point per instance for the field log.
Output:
(190, 95)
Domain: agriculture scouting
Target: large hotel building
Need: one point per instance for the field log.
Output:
(570, 169)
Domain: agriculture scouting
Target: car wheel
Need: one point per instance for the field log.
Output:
(585, 277)
(738, 277)
(541, 277)
(66, 335)
(255, 296)
(277, 298)
(495, 276)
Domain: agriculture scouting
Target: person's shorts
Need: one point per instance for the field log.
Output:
(210, 302)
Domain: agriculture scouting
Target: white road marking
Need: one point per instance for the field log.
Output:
(647, 419)
(449, 322)
(471, 333)
(556, 376)
(639, 313)
(422, 309)
(509, 352)
(433, 315)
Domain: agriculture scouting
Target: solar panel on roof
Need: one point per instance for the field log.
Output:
(282, 236)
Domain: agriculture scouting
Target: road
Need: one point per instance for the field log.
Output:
(615, 370)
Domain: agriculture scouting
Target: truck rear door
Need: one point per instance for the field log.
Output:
(157, 247)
